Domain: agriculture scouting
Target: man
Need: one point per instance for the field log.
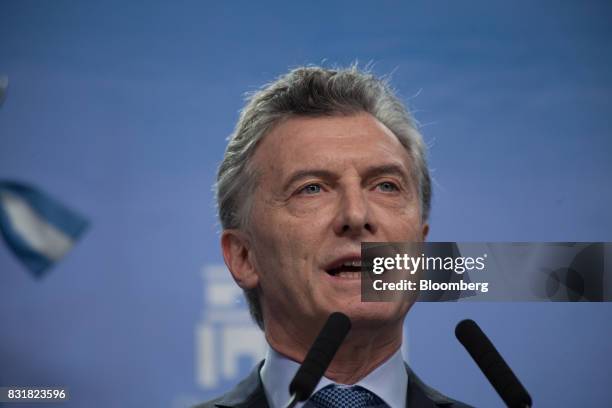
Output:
(320, 161)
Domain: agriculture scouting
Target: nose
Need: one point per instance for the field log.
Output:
(354, 216)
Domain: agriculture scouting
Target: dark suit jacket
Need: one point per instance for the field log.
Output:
(250, 394)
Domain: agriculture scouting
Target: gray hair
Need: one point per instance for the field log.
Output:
(309, 91)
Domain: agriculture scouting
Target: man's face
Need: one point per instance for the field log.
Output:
(324, 185)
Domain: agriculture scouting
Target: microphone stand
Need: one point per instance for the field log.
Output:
(318, 358)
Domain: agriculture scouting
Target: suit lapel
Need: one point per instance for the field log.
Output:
(421, 395)
(247, 394)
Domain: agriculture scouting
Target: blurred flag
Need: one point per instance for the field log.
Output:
(38, 229)
(3, 86)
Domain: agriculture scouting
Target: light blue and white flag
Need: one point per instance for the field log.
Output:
(39, 229)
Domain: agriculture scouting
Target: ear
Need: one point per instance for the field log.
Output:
(237, 256)
(425, 231)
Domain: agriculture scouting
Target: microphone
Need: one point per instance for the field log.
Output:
(492, 364)
(319, 357)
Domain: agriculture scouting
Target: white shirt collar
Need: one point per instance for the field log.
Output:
(388, 381)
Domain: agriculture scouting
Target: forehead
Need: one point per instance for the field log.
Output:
(330, 142)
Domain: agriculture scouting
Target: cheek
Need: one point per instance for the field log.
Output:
(413, 230)
(300, 242)
(282, 254)
(404, 224)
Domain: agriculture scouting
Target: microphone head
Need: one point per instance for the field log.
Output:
(492, 364)
(320, 355)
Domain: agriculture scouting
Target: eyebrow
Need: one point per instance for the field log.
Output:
(370, 172)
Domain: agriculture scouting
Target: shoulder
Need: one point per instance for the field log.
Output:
(209, 404)
(421, 394)
(249, 393)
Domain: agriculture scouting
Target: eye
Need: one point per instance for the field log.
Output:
(310, 189)
(387, 187)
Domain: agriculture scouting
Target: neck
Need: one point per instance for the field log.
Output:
(363, 350)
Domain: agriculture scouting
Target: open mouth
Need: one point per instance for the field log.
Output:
(346, 270)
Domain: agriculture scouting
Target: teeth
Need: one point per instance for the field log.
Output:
(349, 275)
(356, 264)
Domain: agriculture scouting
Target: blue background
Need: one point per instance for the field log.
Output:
(122, 110)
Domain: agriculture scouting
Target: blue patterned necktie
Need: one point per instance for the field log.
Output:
(334, 396)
